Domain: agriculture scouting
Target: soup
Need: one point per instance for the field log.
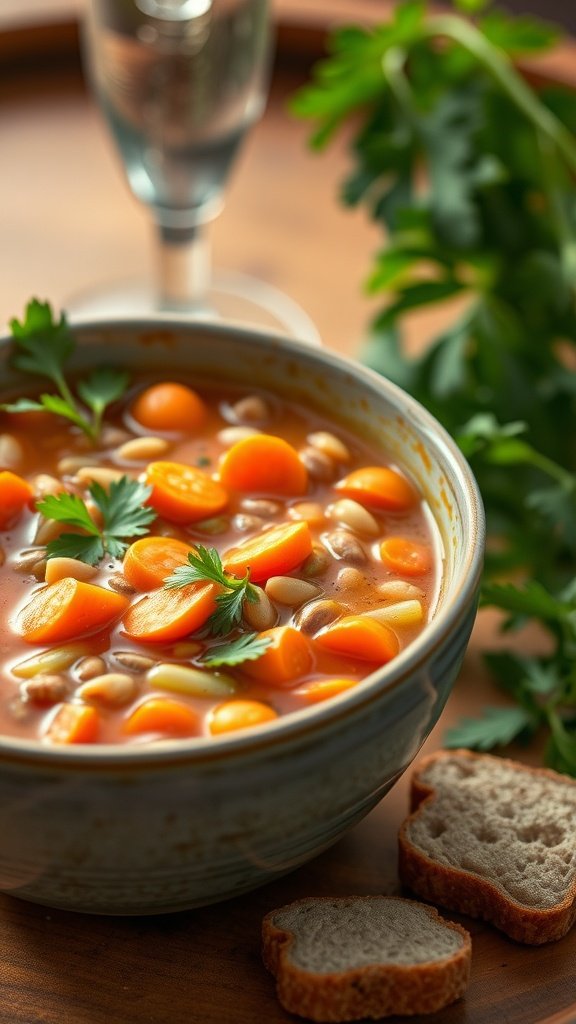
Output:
(213, 560)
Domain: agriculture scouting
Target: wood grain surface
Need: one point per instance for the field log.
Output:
(67, 223)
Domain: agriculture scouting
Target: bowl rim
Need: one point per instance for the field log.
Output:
(300, 723)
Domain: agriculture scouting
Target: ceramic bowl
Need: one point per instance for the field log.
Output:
(171, 826)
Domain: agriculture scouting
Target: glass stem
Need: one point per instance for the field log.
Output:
(183, 269)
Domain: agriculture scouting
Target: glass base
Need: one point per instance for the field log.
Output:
(234, 298)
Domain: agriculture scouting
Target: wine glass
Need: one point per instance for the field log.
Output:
(180, 82)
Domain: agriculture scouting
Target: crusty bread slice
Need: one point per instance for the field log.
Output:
(494, 839)
(357, 957)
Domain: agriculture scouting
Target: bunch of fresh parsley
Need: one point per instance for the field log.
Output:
(470, 174)
(43, 346)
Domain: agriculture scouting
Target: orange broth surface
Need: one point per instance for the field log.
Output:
(345, 570)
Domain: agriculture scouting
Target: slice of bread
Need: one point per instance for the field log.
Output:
(494, 839)
(357, 957)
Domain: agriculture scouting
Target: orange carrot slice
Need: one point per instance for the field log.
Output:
(162, 715)
(68, 609)
(150, 560)
(168, 407)
(184, 494)
(379, 487)
(288, 657)
(239, 714)
(165, 616)
(15, 493)
(323, 689)
(358, 637)
(263, 463)
(271, 553)
(406, 557)
(74, 723)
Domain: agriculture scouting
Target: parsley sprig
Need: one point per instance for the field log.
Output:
(42, 347)
(205, 564)
(470, 174)
(124, 516)
(246, 647)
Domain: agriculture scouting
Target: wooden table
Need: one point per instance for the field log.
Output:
(68, 223)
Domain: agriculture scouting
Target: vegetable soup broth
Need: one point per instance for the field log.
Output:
(346, 567)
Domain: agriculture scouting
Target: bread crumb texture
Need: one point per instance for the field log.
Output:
(495, 839)
(353, 958)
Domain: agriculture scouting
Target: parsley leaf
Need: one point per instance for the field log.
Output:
(42, 347)
(497, 727)
(104, 385)
(124, 516)
(246, 647)
(43, 344)
(204, 564)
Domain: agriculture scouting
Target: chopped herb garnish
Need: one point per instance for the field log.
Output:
(42, 347)
(124, 516)
(204, 564)
(246, 647)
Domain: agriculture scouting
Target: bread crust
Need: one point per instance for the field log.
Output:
(368, 992)
(466, 892)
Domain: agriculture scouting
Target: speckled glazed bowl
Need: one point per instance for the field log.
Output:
(162, 827)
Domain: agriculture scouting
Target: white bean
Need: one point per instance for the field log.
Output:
(11, 452)
(311, 511)
(350, 578)
(252, 409)
(70, 464)
(115, 689)
(400, 590)
(142, 449)
(346, 546)
(261, 613)
(264, 507)
(230, 435)
(118, 582)
(44, 484)
(90, 668)
(98, 474)
(193, 681)
(31, 561)
(112, 437)
(45, 689)
(133, 661)
(330, 445)
(317, 614)
(245, 523)
(319, 465)
(47, 530)
(352, 514)
(290, 590)
(59, 568)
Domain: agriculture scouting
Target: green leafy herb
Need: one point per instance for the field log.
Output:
(498, 726)
(205, 565)
(124, 516)
(42, 347)
(470, 173)
(246, 647)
